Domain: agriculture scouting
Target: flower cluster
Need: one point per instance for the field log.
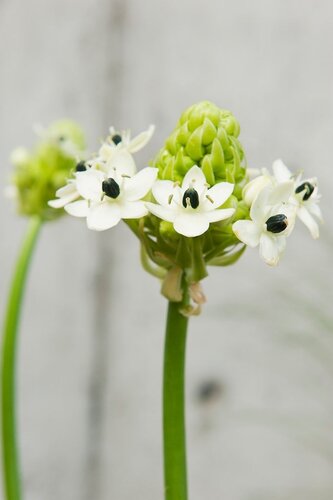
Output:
(275, 202)
(194, 206)
(107, 187)
(38, 174)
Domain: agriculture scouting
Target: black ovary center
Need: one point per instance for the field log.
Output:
(81, 167)
(111, 188)
(307, 187)
(192, 195)
(116, 139)
(277, 223)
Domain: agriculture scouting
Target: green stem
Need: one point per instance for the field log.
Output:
(175, 480)
(11, 470)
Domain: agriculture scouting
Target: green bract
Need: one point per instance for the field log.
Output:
(40, 173)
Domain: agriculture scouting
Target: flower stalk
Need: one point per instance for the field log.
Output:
(11, 466)
(175, 477)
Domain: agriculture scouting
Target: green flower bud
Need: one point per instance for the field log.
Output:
(40, 173)
(205, 135)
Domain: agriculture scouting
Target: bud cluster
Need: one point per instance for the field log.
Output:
(38, 174)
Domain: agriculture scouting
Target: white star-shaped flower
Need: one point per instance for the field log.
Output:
(119, 146)
(123, 140)
(123, 165)
(192, 206)
(106, 198)
(304, 197)
(272, 219)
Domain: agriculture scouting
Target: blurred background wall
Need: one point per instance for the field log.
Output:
(260, 357)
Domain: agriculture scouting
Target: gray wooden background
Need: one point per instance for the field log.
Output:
(92, 330)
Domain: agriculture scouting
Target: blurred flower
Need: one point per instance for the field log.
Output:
(192, 206)
(39, 173)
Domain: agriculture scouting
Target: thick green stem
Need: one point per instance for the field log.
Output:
(11, 469)
(175, 479)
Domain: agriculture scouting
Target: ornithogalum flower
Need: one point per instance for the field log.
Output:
(116, 151)
(122, 140)
(193, 206)
(108, 197)
(272, 220)
(305, 196)
(114, 158)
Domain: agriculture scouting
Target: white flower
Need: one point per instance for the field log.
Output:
(253, 188)
(192, 206)
(124, 140)
(106, 198)
(304, 197)
(120, 146)
(272, 219)
(120, 163)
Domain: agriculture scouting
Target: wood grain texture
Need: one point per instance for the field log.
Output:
(92, 330)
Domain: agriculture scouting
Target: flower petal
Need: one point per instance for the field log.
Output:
(66, 195)
(220, 214)
(314, 209)
(138, 186)
(309, 221)
(281, 193)
(106, 151)
(141, 140)
(78, 208)
(191, 223)
(163, 213)
(270, 249)
(66, 190)
(219, 193)
(260, 206)
(122, 162)
(61, 202)
(133, 210)
(162, 191)
(103, 216)
(253, 188)
(195, 178)
(247, 231)
(89, 184)
(281, 171)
